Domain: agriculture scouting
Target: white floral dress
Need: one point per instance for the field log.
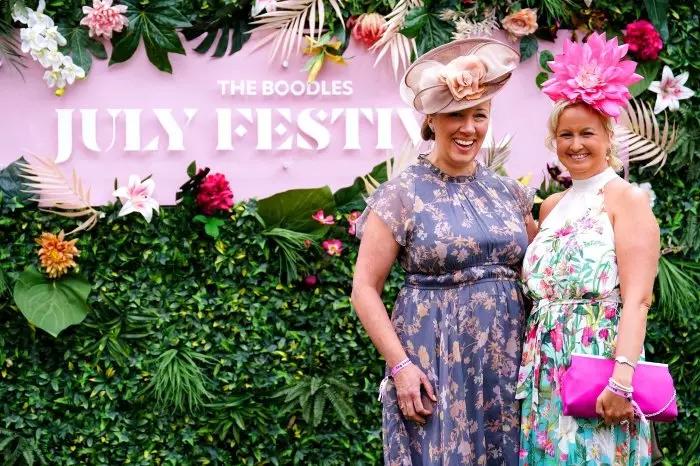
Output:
(570, 271)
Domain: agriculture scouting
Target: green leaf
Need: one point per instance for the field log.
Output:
(658, 14)
(51, 305)
(415, 20)
(541, 78)
(192, 169)
(545, 57)
(155, 21)
(11, 182)
(81, 47)
(649, 70)
(352, 197)
(435, 33)
(528, 47)
(211, 227)
(293, 209)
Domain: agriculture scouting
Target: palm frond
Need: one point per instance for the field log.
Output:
(14, 447)
(312, 394)
(9, 47)
(49, 186)
(399, 47)
(291, 21)
(289, 245)
(178, 381)
(642, 137)
(678, 283)
(497, 153)
(407, 155)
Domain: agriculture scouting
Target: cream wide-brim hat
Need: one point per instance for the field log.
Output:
(423, 88)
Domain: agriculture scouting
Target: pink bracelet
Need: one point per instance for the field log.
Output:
(402, 364)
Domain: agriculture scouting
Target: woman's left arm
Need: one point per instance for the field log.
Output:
(637, 246)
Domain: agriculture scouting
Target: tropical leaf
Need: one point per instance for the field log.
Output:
(155, 21)
(291, 21)
(229, 30)
(311, 394)
(496, 155)
(293, 209)
(678, 283)
(9, 47)
(639, 133)
(434, 33)
(407, 155)
(399, 47)
(81, 47)
(289, 246)
(50, 187)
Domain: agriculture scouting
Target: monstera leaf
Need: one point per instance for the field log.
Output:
(292, 210)
(51, 305)
(230, 26)
(154, 21)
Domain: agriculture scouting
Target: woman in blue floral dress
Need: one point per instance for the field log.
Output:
(460, 232)
(590, 271)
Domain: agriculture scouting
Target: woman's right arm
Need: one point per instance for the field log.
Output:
(378, 251)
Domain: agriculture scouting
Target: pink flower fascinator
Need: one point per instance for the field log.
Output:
(594, 73)
(458, 75)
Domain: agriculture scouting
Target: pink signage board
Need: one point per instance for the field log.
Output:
(259, 123)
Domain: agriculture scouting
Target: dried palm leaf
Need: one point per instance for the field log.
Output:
(49, 186)
(465, 27)
(497, 153)
(407, 155)
(639, 133)
(400, 47)
(292, 20)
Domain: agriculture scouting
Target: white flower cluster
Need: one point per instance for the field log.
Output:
(41, 39)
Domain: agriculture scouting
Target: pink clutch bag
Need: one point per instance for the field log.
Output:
(588, 375)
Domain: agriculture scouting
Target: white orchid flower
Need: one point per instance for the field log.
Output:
(670, 90)
(136, 197)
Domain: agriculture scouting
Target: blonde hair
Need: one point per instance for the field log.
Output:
(613, 160)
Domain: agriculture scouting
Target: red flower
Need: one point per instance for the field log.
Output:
(610, 312)
(368, 28)
(603, 333)
(321, 218)
(310, 281)
(333, 247)
(643, 39)
(587, 336)
(214, 194)
(352, 220)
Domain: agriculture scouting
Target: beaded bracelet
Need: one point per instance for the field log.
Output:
(614, 383)
(402, 364)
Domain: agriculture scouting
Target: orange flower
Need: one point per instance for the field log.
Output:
(56, 254)
(521, 23)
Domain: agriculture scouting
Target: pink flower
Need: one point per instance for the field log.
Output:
(103, 18)
(214, 194)
(310, 281)
(521, 23)
(610, 312)
(557, 336)
(548, 271)
(136, 197)
(321, 218)
(564, 231)
(352, 220)
(587, 336)
(643, 39)
(604, 333)
(603, 276)
(333, 247)
(594, 73)
(368, 28)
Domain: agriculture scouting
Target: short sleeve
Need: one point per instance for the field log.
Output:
(524, 195)
(393, 203)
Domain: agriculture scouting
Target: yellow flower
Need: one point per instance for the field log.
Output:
(319, 51)
(56, 254)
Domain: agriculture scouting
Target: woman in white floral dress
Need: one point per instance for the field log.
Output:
(590, 271)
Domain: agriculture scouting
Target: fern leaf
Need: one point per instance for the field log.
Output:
(319, 407)
(642, 137)
(48, 184)
(291, 21)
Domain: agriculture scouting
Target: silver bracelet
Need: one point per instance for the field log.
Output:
(624, 360)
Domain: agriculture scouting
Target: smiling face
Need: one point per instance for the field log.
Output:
(582, 141)
(458, 137)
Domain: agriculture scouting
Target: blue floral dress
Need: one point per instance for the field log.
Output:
(460, 314)
(570, 271)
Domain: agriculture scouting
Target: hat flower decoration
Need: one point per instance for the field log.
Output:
(595, 73)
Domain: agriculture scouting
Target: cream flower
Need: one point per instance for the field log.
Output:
(463, 77)
(521, 23)
(670, 90)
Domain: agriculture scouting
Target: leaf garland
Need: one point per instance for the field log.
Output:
(50, 187)
(155, 22)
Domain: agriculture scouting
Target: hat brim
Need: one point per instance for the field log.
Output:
(500, 60)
